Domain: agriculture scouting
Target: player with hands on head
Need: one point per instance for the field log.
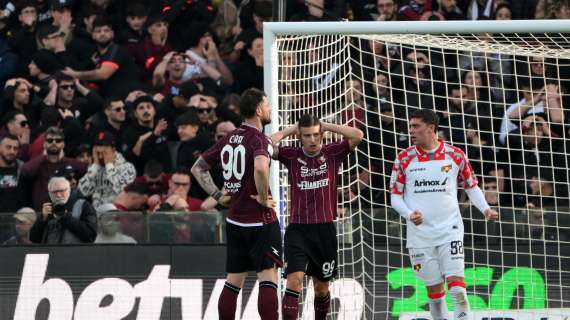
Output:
(252, 229)
(424, 183)
(310, 237)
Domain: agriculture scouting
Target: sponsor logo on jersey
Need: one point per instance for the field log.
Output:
(446, 168)
(429, 183)
(308, 185)
(311, 172)
(417, 169)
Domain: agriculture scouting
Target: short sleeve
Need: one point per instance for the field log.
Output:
(286, 154)
(398, 178)
(466, 177)
(212, 155)
(338, 150)
(261, 146)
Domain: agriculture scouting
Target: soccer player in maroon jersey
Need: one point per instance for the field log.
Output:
(252, 229)
(310, 238)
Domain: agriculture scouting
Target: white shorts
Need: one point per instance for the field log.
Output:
(434, 264)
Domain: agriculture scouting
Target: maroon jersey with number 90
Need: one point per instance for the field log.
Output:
(236, 152)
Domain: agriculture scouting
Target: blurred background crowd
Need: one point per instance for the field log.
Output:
(121, 97)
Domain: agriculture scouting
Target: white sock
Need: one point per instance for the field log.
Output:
(437, 306)
(460, 302)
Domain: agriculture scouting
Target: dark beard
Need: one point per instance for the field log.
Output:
(104, 45)
(52, 152)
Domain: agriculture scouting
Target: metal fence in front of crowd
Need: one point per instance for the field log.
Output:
(380, 225)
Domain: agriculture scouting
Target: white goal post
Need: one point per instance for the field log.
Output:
(501, 89)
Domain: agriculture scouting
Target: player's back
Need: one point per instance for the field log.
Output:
(237, 152)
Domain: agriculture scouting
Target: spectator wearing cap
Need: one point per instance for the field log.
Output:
(154, 47)
(126, 205)
(146, 138)
(203, 52)
(62, 16)
(116, 73)
(84, 154)
(69, 173)
(24, 219)
(40, 169)
(108, 174)
(11, 187)
(22, 36)
(51, 38)
(15, 123)
(185, 151)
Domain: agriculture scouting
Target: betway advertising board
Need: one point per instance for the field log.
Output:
(184, 282)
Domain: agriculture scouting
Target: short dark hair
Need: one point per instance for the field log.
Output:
(60, 77)
(188, 118)
(250, 100)
(107, 102)
(44, 30)
(308, 120)
(427, 116)
(136, 9)
(54, 131)
(102, 21)
(9, 136)
(137, 187)
(153, 168)
(183, 171)
(10, 116)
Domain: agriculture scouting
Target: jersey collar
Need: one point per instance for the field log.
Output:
(436, 155)
(314, 155)
(245, 124)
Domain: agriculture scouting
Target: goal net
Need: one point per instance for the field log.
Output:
(500, 91)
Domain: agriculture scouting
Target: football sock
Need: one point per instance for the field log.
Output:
(322, 306)
(267, 304)
(460, 303)
(290, 307)
(228, 301)
(437, 306)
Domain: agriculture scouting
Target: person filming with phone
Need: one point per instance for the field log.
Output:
(64, 220)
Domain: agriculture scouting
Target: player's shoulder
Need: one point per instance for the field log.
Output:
(407, 154)
(453, 151)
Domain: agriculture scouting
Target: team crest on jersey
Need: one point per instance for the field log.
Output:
(417, 267)
(446, 168)
(322, 159)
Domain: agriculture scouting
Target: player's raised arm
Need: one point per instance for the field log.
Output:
(201, 171)
(280, 135)
(353, 135)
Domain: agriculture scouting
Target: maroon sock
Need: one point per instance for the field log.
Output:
(267, 303)
(290, 305)
(322, 306)
(227, 302)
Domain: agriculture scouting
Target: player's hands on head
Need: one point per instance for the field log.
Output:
(491, 214)
(269, 203)
(416, 217)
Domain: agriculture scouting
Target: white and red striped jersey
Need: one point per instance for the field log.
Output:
(428, 182)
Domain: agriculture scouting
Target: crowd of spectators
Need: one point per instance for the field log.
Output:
(121, 97)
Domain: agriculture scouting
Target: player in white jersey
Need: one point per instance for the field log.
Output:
(423, 187)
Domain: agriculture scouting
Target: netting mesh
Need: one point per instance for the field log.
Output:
(501, 98)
